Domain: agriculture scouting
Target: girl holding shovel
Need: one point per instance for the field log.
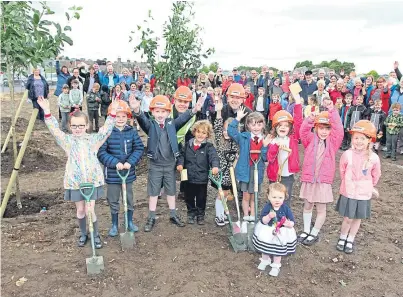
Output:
(282, 154)
(251, 140)
(82, 163)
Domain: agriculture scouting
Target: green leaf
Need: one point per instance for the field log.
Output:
(67, 16)
(77, 15)
(79, 8)
(67, 39)
(36, 18)
(67, 28)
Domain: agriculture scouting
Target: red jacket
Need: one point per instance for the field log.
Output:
(286, 84)
(293, 160)
(249, 101)
(183, 82)
(384, 98)
(334, 94)
(273, 108)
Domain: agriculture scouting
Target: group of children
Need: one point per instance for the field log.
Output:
(117, 146)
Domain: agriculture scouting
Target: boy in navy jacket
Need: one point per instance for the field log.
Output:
(162, 151)
(121, 151)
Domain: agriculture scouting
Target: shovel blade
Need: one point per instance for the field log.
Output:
(238, 242)
(95, 265)
(127, 240)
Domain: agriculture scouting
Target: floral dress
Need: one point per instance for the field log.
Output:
(227, 151)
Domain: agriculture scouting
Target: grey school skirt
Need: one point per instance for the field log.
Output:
(75, 195)
(250, 186)
(354, 209)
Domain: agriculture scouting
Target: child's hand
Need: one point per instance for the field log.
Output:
(214, 171)
(44, 104)
(241, 113)
(375, 193)
(272, 214)
(127, 166)
(179, 168)
(98, 99)
(218, 106)
(199, 104)
(268, 139)
(288, 224)
(134, 104)
(297, 98)
(119, 166)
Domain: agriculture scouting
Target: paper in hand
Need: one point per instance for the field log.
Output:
(295, 88)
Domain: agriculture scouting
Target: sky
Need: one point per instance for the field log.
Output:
(251, 33)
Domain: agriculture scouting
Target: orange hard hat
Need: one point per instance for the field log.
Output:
(282, 116)
(365, 127)
(183, 93)
(161, 101)
(322, 118)
(123, 106)
(236, 89)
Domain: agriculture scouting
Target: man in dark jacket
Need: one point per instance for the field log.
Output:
(197, 157)
(90, 79)
(308, 86)
(121, 151)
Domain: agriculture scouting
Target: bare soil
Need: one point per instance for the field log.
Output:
(190, 261)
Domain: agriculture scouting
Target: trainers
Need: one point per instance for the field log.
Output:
(98, 242)
(275, 269)
(149, 225)
(176, 221)
(394, 158)
(220, 221)
(82, 240)
(384, 149)
(263, 264)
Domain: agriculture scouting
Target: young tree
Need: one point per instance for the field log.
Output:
(183, 47)
(26, 40)
(374, 74)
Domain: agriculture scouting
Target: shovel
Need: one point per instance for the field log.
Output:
(236, 238)
(251, 227)
(228, 158)
(126, 238)
(95, 264)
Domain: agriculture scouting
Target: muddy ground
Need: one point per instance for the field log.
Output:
(190, 261)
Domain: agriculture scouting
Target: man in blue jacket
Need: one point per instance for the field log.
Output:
(121, 151)
(111, 78)
(308, 86)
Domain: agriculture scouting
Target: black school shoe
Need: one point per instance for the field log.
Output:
(149, 224)
(200, 220)
(176, 221)
(82, 240)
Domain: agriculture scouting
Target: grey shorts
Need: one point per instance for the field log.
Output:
(114, 193)
(250, 186)
(161, 175)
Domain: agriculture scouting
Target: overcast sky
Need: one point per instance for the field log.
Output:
(253, 33)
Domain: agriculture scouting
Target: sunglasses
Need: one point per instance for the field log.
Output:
(73, 127)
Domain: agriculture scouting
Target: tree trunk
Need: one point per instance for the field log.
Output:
(10, 75)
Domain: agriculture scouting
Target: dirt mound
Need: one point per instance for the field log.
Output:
(33, 161)
(32, 203)
(21, 125)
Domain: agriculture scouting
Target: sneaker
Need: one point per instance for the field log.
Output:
(384, 149)
(394, 158)
(275, 269)
(82, 240)
(219, 221)
(263, 264)
(401, 152)
(191, 220)
(149, 225)
(251, 219)
(98, 242)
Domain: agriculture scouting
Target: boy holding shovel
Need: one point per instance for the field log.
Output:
(121, 151)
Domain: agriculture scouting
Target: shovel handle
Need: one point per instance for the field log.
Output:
(84, 186)
(123, 177)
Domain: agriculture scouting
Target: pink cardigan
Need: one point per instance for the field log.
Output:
(357, 181)
(310, 142)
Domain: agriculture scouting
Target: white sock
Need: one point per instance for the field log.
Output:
(350, 238)
(219, 209)
(343, 237)
(307, 218)
(315, 231)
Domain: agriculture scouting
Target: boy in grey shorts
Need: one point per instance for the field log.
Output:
(162, 151)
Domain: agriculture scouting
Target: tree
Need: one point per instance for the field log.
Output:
(214, 66)
(26, 40)
(183, 47)
(305, 63)
(374, 74)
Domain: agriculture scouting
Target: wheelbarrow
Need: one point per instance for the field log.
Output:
(236, 238)
(95, 264)
(127, 238)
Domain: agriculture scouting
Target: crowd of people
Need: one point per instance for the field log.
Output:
(215, 122)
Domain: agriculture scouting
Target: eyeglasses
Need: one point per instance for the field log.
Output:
(73, 127)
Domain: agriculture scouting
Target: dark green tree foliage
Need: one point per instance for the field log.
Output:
(334, 64)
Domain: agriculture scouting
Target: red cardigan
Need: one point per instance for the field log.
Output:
(273, 149)
(249, 101)
(384, 98)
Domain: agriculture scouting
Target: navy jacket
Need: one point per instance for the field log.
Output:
(199, 162)
(61, 79)
(153, 130)
(121, 146)
(307, 89)
(31, 88)
(283, 211)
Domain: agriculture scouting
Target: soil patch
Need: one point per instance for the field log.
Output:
(21, 125)
(33, 161)
(32, 203)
